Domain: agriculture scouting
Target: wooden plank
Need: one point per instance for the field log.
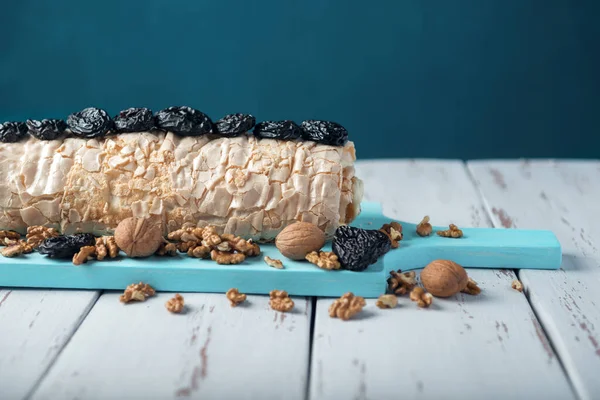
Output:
(465, 347)
(212, 351)
(35, 325)
(563, 197)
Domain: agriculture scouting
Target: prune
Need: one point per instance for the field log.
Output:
(325, 132)
(234, 124)
(90, 123)
(46, 129)
(66, 246)
(184, 121)
(282, 130)
(12, 132)
(358, 248)
(134, 120)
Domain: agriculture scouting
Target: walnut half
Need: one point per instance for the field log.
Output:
(280, 301)
(324, 259)
(422, 298)
(235, 297)
(176, 304)
(346, 306)
(401, 283)
(137, 292)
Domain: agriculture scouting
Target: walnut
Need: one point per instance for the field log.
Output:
(101, 250)
(271, 262)
(111, 244)
(37, 234)
(175, 305)
(224, 246)
(400, 283)
(210, 237)
(27, 248)
(137, 291)
(199, 252)
(16, 248)
(235, 297)
(394, 231)
(106, 246)
(84, 253)
(280, 301)
(184, 247)
(246, 247)
(444, 278)
(11, 235)
(296, 240)
(9, 242)
(451, 232)
(424, 228)
(471, 288)
(346, 306)
(324, 259)
(169, 249)
(226, 258)
(517, 285)
(423, 299)
(138, 237)
(387, 301)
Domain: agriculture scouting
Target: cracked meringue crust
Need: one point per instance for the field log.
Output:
(245, 186)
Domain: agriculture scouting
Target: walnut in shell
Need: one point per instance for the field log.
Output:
(138, 237)
(295, 241)
(444, 278)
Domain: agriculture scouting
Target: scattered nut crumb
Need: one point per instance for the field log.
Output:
(175, 305)
(424, 228)
(137, 292)
(472, 288)
(400, 283)
(167, 249)
(452, 232)
(324, 259)
(84, 253)
(280, 301)
(517, 285)
(37, 234)
(235, 297)
(271, 262)
(423, 299)
(346, 306)
(387, 301)
(394, 231)
(226, 258)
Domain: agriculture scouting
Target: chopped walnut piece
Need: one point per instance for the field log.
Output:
(186, 235)
(184, 247)
(9, 242)
(387, 301)
(451, 232)
(246, 247)
(175, 305)
(235, 297)
(137, 291)
(271, 262)
(199, 252)
(346, 306)
(517, 285)
(111, 244)
(224, 246)
(423, 299)
(210, 237)
(394, 231)
(101, 250)
(401, 283)
(9, 237)
(84, 253)
(12, 251)
(424, 228)
(324, 259)
(280, 301)
(37, 234)
(471, 288)
(27, 248)
(226, 258)
(167, 249)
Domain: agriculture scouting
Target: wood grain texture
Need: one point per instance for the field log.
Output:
(211, 351)
(35, 325)
(563, 197)
(465, 347)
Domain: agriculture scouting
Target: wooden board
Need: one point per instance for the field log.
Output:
(487, 346)
(212, 351)
(564, 197)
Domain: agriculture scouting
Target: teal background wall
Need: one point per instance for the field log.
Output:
(408, 78)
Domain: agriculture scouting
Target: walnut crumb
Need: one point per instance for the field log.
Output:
(235, 297)
(472, 288)
(346, 306)
(271, 262)
(224, 258)
(175, 304)
(423, 299)
(400, 283)
(387, 301)
(37, 234)
(324, 259)
(517, 285)
(280, 301)
(451, 232)
(84, 253)
(424, 228)
(394, 231)
(137, 292)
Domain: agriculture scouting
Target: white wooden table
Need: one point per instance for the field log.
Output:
(543, 343)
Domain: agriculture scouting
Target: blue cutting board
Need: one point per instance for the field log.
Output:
(479, 247)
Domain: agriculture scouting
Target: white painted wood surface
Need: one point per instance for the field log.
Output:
(35, 325)
(213, 351)
(489, 346)
(565, 198)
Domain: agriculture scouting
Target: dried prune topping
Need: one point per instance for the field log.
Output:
(281, 130)
(12, 132)
(184, 121)
(46, 129)
(134, 120)
(358, 248)
(234, 124)
(325, 132)
(66, 246)
(90, 123)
